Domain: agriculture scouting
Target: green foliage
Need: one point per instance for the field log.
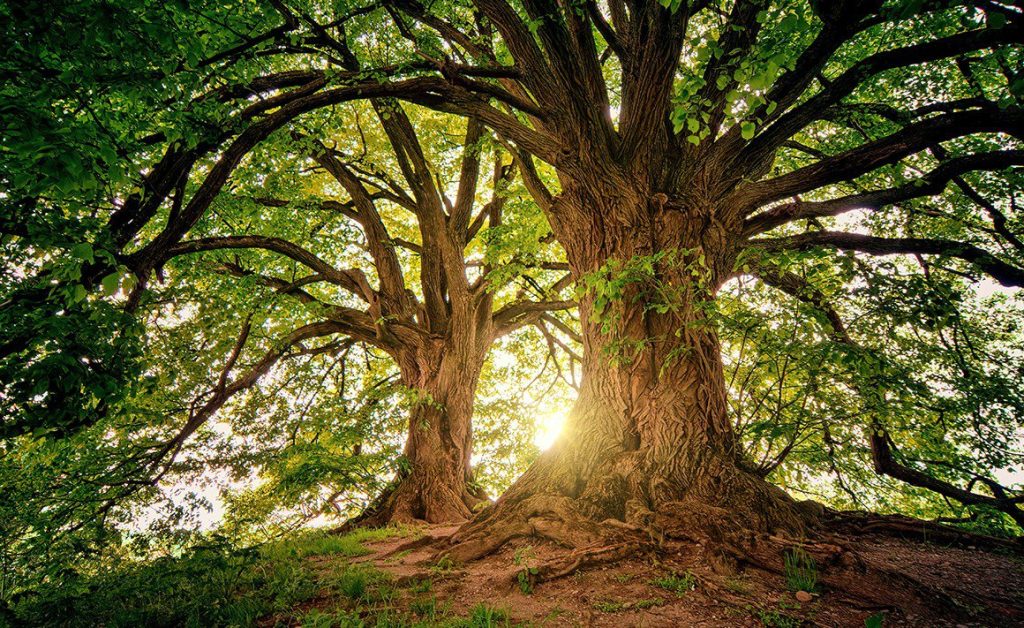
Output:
(484, 616)
(680, 584)
(526, 560)
(773, 618)
(800, 570)
(609, 606)
(338, 619)
(212, 584)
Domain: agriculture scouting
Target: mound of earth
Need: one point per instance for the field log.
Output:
(870, 580)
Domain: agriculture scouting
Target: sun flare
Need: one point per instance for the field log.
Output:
(549, 427)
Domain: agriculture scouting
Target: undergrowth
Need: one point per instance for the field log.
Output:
(680, 584)
(800, 570)
(212, 585)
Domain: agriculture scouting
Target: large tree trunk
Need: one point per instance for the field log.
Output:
(648, 443)
(435, 484)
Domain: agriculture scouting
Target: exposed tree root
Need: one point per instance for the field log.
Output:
(587, 557)
(916, 529)
(846, 569)
(409, 501)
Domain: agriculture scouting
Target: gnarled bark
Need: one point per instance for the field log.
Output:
(436, 484)
(648, 446)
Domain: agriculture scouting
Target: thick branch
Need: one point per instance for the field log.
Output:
(912, 139)
(353, 280)
(930, 184)
(1004, 273)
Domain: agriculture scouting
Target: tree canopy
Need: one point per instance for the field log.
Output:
(315, 252)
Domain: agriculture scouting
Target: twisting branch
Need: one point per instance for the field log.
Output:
(913, 138)
(790, 123)
(882, 446)
(512, 317)
(1003, 272)
(353, 280)
(930, 184)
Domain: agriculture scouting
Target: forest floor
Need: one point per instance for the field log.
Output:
(895, 582)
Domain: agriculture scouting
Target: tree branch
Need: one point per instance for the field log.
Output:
(1003, 272)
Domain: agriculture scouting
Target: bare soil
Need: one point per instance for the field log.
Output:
(910, 583)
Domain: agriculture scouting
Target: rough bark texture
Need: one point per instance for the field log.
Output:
(436, 484)
(648, 445)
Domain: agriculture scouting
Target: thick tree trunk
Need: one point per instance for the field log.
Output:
(435, 485)
(648, 444)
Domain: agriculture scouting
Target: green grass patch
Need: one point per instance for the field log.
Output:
(777, 619)
(484, 616)
(213, 585)
(609, 606)
(738, 585)
(800, 570)
(319, 543)
(680, 584)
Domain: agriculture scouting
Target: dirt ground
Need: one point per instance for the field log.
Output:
(900, 582)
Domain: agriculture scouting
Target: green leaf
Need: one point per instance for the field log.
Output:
(110, 283)
(874, 621)
(747, 129)
(83, 251)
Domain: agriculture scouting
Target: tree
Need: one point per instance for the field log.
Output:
(671, 146)
(439, 339)
(732, 121)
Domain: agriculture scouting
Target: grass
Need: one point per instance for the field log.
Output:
(221, 585)
(617, 606)
(338, 619)
(777, 619)
(214, 585)
(738, 585)
(443, 566)
(609, 606)
(800, 571)
(426, 585)
(319, 543)
(680, 584)
(483, 616)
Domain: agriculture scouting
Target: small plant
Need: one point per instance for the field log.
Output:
(609, 606)
(875, 621)
(483, 616)
(399, 556)
(425, 585)
(444, 565)
(318, 619)
(737, 585)
(776, 619)
(425, 607)
(680, 584)
(800, 570)
(649, 603)
(554, 614)
(623, 578)
(353, 583)
(527, 575)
